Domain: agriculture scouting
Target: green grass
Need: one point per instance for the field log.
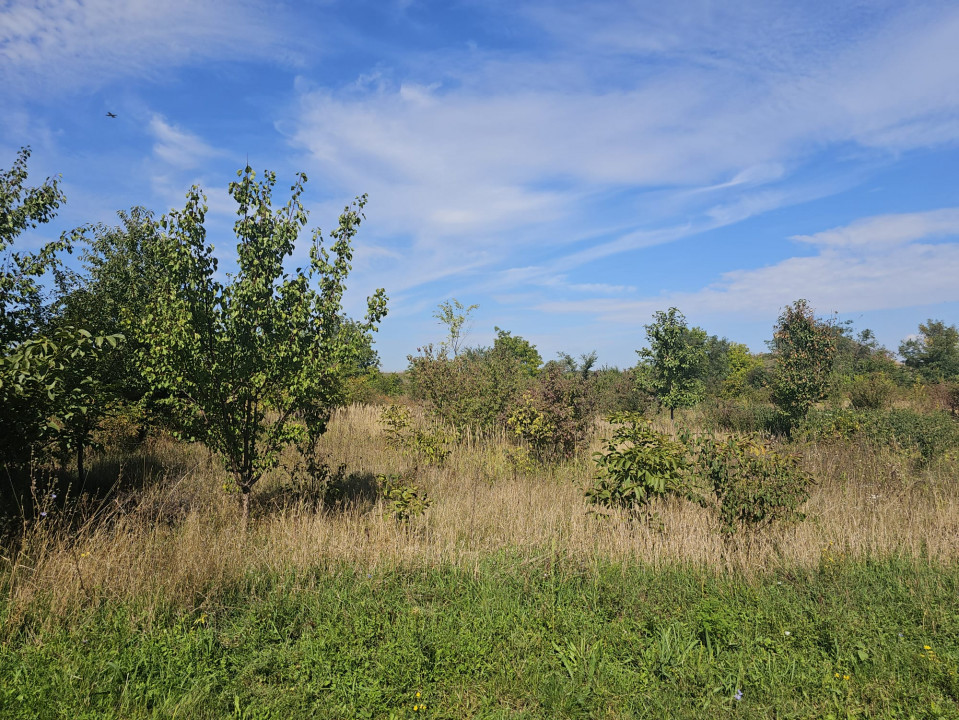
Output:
(512, 639)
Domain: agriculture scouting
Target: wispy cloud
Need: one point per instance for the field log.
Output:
(850, 273)
(63, 44)
(178, 147)
(492, 155)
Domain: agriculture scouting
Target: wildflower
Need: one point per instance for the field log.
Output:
(738, 695)
(43, 514)
(836, 674)
(787, 633)
(53, 496)
(926, 647)
(417, 693)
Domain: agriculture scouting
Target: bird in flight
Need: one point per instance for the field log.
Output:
(111, 115)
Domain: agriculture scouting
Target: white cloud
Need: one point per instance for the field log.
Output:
(179, 148)
(888, 230)
(849, 274)
(494, 153)
(73, 45)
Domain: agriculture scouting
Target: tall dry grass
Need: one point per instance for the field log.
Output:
(178, 540)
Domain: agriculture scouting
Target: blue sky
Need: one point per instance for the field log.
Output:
(570, 167)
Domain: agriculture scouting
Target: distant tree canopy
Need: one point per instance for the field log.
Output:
(935, 353)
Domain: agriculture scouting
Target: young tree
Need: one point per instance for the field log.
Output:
(805, 349)
(254, 364)
(514, 346)
(935, 353)
(455, 316)
(677, 359)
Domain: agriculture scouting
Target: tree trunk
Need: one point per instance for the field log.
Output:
(80, 472)
(244, 508)
(671, 411)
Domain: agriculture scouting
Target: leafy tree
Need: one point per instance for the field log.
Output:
(42, 386)
(455, 316)
(935, 353)
(22, 207)
(804, 348)
(745, 371)
(677, 358)
(522, 350)
(581, 366)
(254, 364)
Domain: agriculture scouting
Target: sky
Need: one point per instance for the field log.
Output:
(570, 167)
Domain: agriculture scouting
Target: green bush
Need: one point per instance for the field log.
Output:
(753, 485)
(926, 435)
(638, 464)
(871, 392)
(405, 499)
(555, 415)
(747, 417)
(426, 447)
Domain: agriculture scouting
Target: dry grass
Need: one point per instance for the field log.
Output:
(179, 541)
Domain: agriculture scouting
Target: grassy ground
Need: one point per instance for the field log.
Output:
(511, 639)
(507, 598)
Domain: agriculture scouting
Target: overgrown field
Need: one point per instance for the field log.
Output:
(499, 592)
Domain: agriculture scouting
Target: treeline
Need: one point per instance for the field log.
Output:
(147, 334)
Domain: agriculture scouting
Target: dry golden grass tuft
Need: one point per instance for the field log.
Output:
(179, 541)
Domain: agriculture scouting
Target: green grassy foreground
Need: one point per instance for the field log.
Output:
(512, 639)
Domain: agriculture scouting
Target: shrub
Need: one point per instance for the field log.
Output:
(926, 435)
(406, 499)
(752, 484)
(424, 446)
(638, 464)
(871, 392)
(472, 390)
(554, 416)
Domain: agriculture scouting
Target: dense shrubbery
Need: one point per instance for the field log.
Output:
(924, 434)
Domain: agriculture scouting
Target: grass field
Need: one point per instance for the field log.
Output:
(507, 598)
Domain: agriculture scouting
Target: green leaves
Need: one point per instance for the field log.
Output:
(805, 349)
(638, 464)
(256, 363)
(677, 355)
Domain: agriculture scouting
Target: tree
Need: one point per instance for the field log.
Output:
(254, 364)
(455, 317)
(804, 348)
(514, 346)
(21, 297)
(935, 353)
(677, 359)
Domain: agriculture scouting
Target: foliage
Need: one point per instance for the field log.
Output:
(472, 390)
(428, 447)
(46, 394)
(871, 392)
(677, 356)
(637, 465)
(22, 311)
(616, 391)
(518, 348)
(752, 484)
(405, 498)
(925, 435)
(48, 387)
(455, 317)
(255, 364)
(804, 348)
(935, 353)
(554, 415)
(746, 372)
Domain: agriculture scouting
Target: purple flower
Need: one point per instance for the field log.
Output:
(43, 514)
(53, 496)
(738, 695)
